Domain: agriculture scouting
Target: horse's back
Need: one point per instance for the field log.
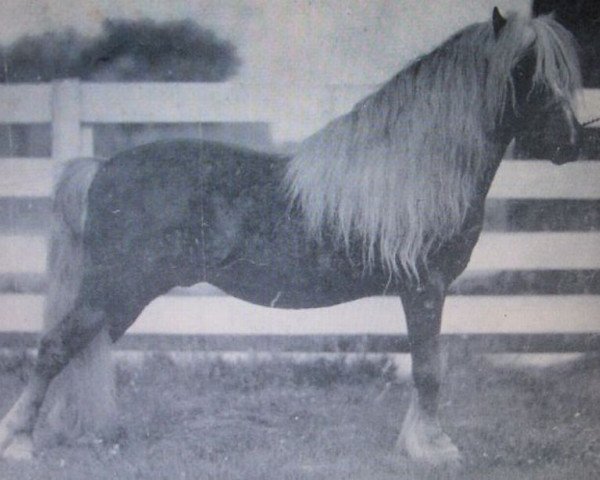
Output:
(162, 175)
(169, 184)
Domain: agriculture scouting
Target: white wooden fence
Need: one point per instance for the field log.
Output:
(294, 112)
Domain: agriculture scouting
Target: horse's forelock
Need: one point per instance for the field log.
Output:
(400, 171)
(555, 52)
(556, 56)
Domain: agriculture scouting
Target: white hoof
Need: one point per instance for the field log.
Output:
(19, 449)
(433, 448)
(424, 441)
(6, 436)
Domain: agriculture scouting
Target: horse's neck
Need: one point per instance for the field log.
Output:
(498, 143)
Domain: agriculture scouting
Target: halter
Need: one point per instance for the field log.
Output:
(589, 122)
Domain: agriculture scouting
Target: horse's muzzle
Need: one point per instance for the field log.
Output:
(569, 152)
(565, 154)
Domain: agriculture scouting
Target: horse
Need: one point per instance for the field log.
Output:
(386, 198)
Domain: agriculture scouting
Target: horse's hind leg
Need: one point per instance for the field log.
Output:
(57, 347)
(421, 435)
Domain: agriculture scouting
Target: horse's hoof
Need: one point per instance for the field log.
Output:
(430, 447)
(5, 437)
(426, 443)
(19, 449)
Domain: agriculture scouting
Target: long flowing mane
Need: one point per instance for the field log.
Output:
(399, 172)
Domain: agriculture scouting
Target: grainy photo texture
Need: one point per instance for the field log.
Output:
(251, 239)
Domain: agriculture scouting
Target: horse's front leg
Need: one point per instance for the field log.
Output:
(421, 435)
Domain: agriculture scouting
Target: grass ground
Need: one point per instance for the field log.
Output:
(325, 420)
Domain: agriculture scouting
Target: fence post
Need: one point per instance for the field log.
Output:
(66, 125)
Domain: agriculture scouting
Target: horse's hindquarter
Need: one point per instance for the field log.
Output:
(144, 226)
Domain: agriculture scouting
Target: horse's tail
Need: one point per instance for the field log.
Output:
(82, 399)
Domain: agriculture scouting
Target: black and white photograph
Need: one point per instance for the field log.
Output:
(300, 239)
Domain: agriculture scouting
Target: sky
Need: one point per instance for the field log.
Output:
(282, 41)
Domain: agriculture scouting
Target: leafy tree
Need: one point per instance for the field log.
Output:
(42, 57)
(125, 50)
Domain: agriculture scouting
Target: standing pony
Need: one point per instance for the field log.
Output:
(389, 197)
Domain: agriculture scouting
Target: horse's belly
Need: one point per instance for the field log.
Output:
(295, 285)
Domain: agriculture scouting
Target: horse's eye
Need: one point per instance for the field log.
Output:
(520, 72)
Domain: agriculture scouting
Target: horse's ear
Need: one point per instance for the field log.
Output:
(498, 21)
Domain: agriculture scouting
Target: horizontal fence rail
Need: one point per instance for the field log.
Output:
(524, 290)
(34, 177)
(495, 251)
(208, 315)
(294, 110)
